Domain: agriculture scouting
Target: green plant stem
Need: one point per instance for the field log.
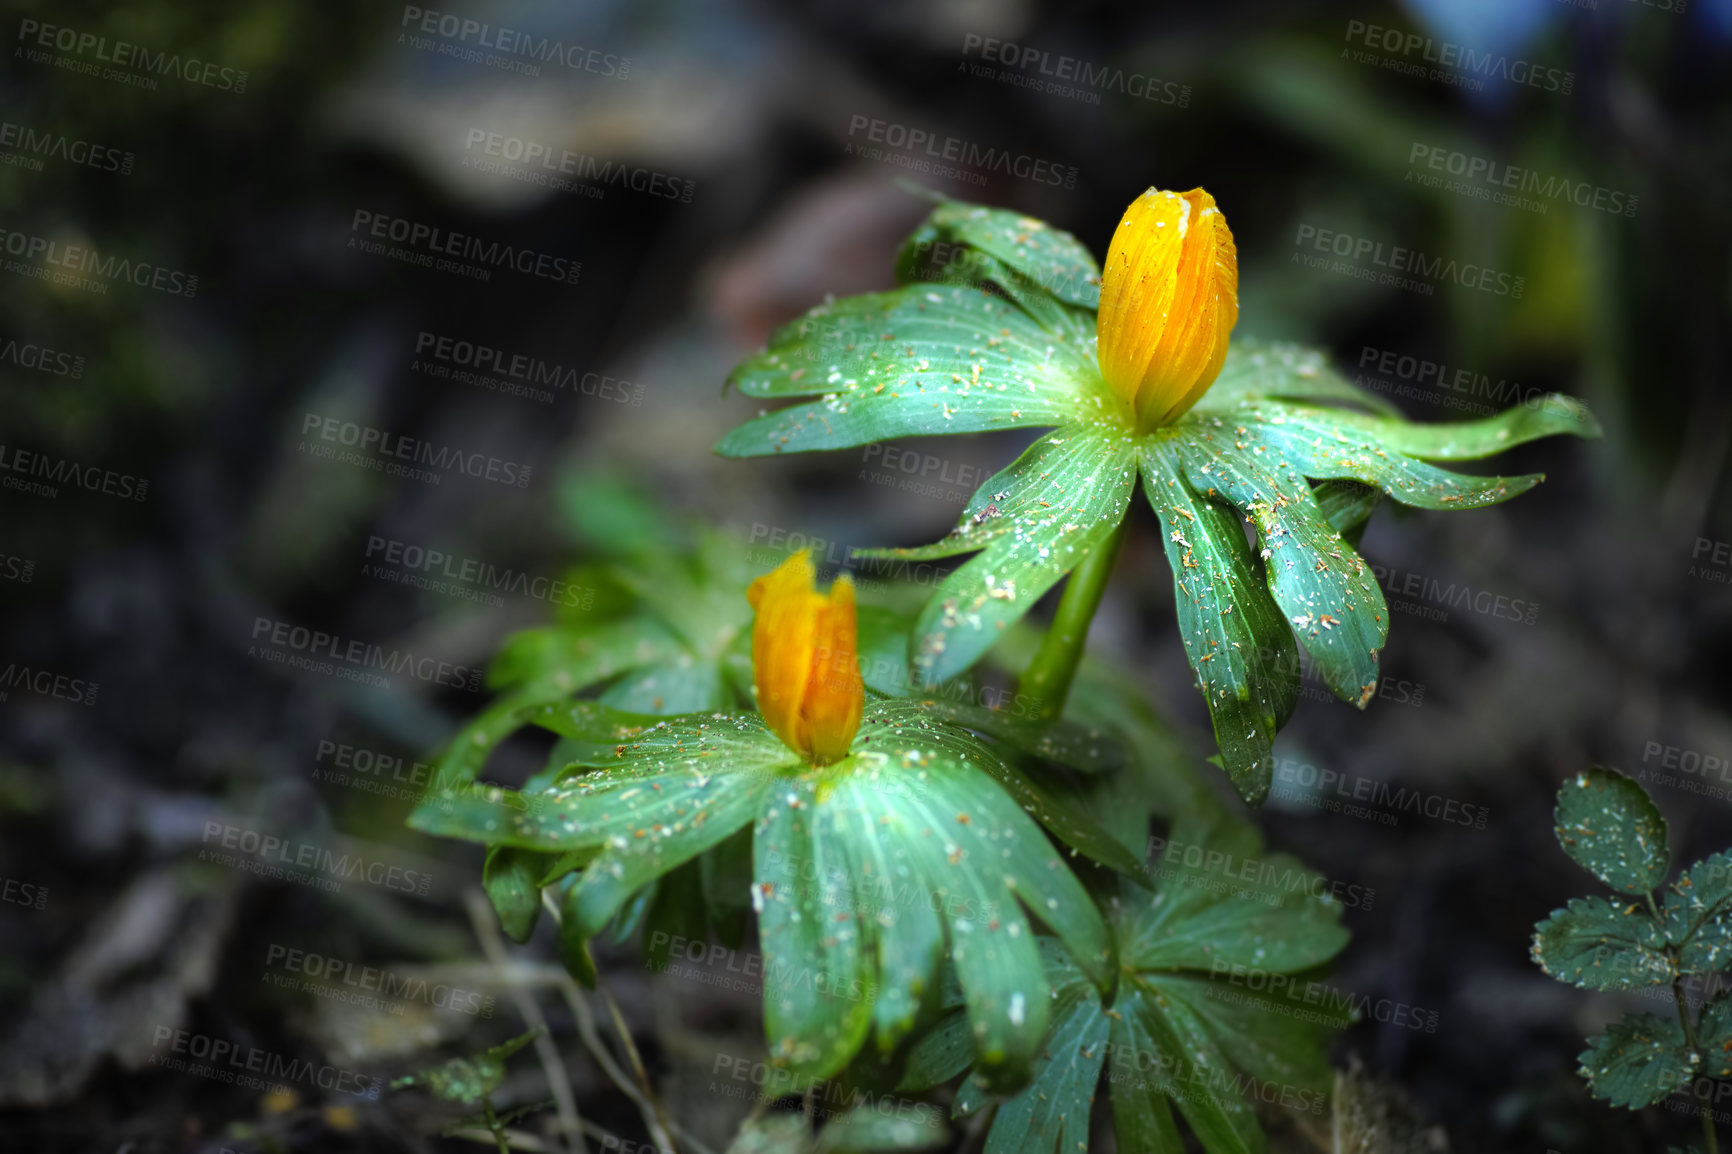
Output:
(1708, 1134)
(1048, 677)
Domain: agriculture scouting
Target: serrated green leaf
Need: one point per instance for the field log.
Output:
(1257, 369)
(1639, 1061)
(1610, 827)
(818, 990)
(1239, 645)
(1034, 522)
(1278, 1034)
(922, 360)
(1599, 945)
(1052, 259)
(1714, 1033)
(1328, 594)
(512, 879)
(1698, 915)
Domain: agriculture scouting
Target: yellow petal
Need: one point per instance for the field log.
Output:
(835, 695)
(1169, 300)
(805, 660)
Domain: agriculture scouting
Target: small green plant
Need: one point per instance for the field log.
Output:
(945, 892)
(1610, 827)
(471, 1082)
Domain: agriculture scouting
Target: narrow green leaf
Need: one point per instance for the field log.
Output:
(941, 1053)
(922, 360)
(1348, 505)
(818, 990)
(1552, 415)
(1142, 1119)
(1327, 444)
(1599, 945)
(1051, 1116)
(511, 878)
(1033, 522)
(1185, 1061)
(1328, 593)
(1610, 827)
(1639, 1061)
(1051, 258)
(1240, 647)
(1258, 369)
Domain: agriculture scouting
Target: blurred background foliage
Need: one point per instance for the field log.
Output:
(255, 191)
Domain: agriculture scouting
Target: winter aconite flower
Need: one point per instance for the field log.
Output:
(1169, 298)
(804, 660)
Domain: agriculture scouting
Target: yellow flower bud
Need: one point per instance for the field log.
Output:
(1169, 299)
(804, 660)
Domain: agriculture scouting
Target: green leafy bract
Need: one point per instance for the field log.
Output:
(866, 871)
(1216, 1000)
(993, 329)
(1611, 828)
